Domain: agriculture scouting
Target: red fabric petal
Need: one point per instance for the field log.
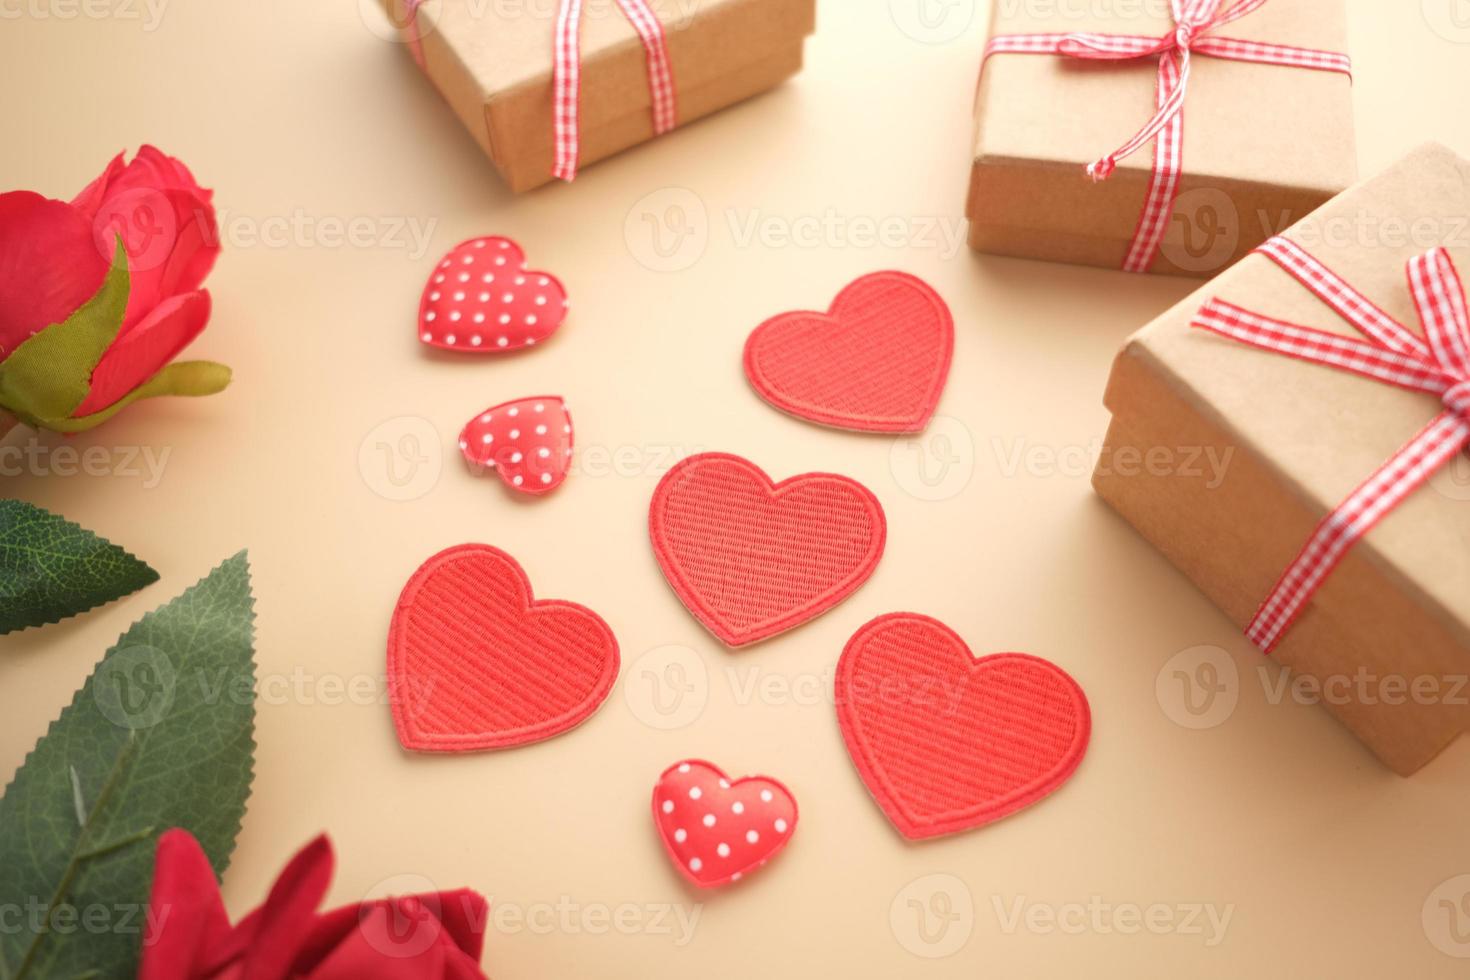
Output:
(91, 196)
(140, 352)
(185, 915)
(170, 237)
(399, 927)
(399, 939)
(271, 937)
(48, 265)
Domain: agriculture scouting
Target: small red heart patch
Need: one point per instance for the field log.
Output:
(527, 442)
(946, 742)
(475, 662)
(717, 831)
(875, 362)
(481, 299)
(752, 558)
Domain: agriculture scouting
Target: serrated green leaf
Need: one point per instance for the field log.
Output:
(51, 569)
(49, 374)
(159, 736)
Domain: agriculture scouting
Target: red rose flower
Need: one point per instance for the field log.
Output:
(189, 937)
(98, 296)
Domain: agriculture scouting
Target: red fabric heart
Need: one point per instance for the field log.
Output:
(875, 362)
(751, 558)
(946, 742)
(474, 662)
(482, 299)
(717, 831)
(528, 442)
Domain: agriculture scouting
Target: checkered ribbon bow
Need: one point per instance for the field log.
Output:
(1194, 22)
(1438, 365)
(567, 78)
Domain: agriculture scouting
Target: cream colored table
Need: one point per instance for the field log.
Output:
(1253, 839)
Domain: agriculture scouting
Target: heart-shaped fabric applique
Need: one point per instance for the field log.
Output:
(475, 662)
(751, 558)
(875, 362)
(718, 831)
(946, 742)
(482, 299)
(528, 442)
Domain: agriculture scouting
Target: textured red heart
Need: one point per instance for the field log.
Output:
(527, 442)
(875, 362)
(751, 558)
(946, 742)
(475, 662)
(717, 831)
(481, 299)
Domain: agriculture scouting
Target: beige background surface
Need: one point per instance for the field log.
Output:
(307, 121)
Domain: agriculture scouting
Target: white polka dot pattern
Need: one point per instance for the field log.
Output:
(508, 307)
(533, 461)
(717, 830)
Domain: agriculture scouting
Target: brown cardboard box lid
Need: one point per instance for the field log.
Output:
(1242, 122)
(508, 44)
(1324, 431)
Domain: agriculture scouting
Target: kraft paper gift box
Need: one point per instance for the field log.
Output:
(1387, 638)
(493, 63)
(1263, 144)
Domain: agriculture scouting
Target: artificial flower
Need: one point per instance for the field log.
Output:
(189, 936)
(99, 295)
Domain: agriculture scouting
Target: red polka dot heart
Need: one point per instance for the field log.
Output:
(527, 442)
(481, 299)
(715, 830)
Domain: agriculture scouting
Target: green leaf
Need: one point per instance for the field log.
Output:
(159, 736)
(189, 378)
(51, 568)
(49, 374)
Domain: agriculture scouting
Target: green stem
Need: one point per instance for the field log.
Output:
(78, 855)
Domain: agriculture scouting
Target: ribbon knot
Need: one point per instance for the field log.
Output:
(1186, 33)
(1457, 400)
(1437, 364)
(1195, 33)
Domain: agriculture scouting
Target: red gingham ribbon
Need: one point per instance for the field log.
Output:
(1193, 20)
(567, 78)
(410, 31)
(1394, 355)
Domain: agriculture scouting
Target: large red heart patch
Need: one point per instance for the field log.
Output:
(718, 831)
(752, 558)
(481, 299)
(875, 362)
(945, 741)
(475, 662)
